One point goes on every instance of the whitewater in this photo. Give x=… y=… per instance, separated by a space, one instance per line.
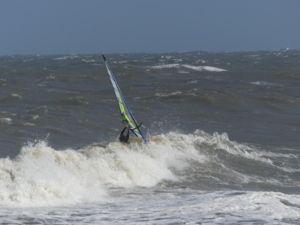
x=162 y=170
x=223 y=139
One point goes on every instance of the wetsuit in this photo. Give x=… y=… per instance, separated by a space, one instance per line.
x=124 y=136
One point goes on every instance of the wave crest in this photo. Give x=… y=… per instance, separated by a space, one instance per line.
x=41 y=175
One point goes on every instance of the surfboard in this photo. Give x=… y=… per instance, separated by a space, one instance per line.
x=127 y=116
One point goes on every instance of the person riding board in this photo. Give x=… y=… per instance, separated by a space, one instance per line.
x=124 y=135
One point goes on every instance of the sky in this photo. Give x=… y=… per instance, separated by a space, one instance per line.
x=126 y=26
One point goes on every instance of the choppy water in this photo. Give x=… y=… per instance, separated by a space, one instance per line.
x=224 y=146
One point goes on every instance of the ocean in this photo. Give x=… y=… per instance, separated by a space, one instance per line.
x=223 y=128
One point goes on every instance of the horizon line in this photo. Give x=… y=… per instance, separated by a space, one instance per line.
x=150 y=52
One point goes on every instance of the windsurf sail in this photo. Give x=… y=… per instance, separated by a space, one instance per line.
x=126 y=114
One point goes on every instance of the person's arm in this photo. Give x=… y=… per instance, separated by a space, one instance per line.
x=122 y=132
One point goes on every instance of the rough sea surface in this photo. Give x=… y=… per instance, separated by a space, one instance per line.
x=224 y=139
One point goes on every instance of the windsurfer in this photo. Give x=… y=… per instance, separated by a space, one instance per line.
x=124 y=136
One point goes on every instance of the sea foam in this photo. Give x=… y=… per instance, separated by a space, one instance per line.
x=43 y=176
x=187 y=66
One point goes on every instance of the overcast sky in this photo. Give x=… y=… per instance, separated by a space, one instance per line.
x=95 y=26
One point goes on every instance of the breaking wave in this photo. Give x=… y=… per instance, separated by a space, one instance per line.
x=43 y=176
